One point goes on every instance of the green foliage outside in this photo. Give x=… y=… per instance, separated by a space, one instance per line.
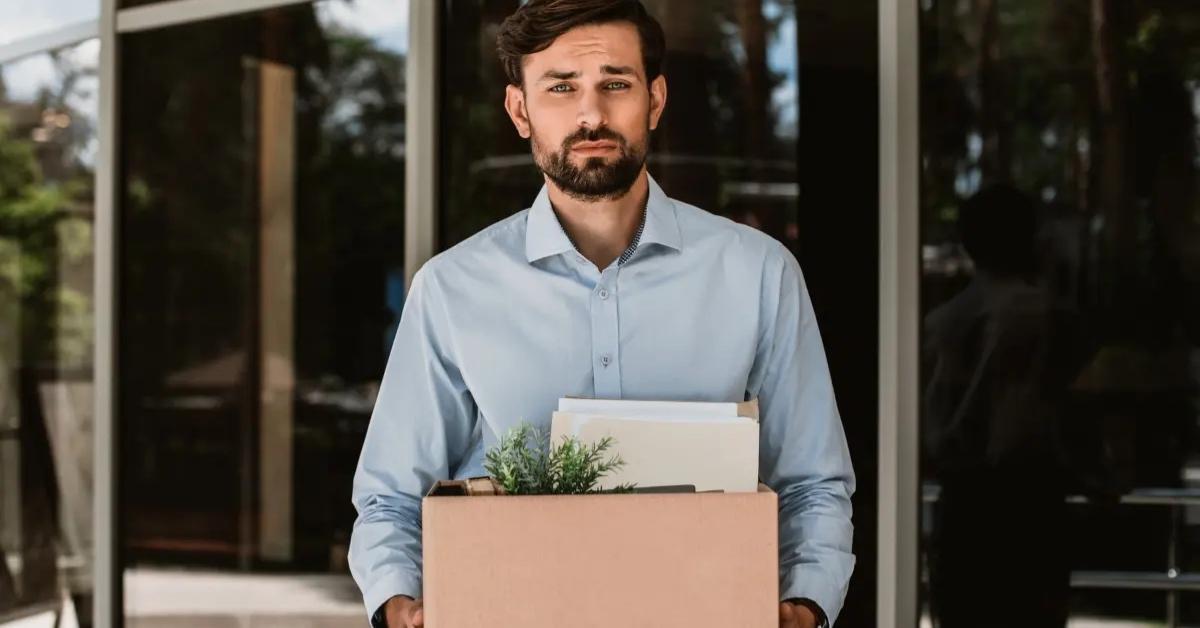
x=37 y=235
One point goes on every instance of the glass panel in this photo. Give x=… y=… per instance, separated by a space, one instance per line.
x=47 y=158
x=24 y=18
x=1061 y=295
x=261 y=221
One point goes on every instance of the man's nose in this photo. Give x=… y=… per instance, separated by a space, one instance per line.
x=591 y=110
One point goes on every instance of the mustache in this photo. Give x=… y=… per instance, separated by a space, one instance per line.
x=593 y=135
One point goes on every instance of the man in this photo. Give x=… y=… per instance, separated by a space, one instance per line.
x=605 y=287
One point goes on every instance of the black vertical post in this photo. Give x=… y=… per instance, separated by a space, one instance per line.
x=838 y=164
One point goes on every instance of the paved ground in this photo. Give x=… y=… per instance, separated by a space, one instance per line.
x=161 y=598
x=179 y=599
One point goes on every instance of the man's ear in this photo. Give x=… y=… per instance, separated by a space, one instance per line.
x=514 y=104
x=658 y=99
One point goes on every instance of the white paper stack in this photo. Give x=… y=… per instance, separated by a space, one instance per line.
x=713 y=446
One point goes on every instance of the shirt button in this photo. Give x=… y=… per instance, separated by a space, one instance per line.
x=605 y=359
x=603 y=293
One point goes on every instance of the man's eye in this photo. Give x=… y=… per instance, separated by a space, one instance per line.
x=617 y=85
x=563 y=85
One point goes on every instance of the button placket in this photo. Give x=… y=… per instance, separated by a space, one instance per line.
x=606 y=371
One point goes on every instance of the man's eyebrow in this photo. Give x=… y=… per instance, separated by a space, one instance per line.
x=559 y=75
x=618 y=69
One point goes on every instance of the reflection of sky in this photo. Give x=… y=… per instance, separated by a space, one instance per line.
x=22 y=18
x=781 y=59
x=384 y=21
x=25 y=78
x=1194 y=85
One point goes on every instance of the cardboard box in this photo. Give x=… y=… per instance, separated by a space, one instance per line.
x=652 y=560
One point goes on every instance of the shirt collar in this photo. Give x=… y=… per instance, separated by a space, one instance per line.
x=544 y=235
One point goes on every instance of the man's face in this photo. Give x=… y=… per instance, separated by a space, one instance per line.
x=588 y=110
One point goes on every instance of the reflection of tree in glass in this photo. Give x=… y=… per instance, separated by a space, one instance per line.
x=719 y=124
x=1088 y=104
x=198 y=103
x=720 y=80
x=45 y=201
x=356 y=100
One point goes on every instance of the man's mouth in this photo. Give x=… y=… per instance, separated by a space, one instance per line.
x=594 y=148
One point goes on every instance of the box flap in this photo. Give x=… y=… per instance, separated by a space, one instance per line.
x=480 y=485
x=666 y=488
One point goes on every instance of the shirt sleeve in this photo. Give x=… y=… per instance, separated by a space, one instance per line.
x=420 y=430
x=803 y=457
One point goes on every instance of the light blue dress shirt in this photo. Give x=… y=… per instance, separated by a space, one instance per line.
x=498 y=327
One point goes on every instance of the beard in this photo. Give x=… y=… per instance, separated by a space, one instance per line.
x=595 y=180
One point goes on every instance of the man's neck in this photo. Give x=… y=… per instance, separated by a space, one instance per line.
x=601 y=230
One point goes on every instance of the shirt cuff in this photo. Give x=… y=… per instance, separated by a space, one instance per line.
x=388 y=585
x=810 y=582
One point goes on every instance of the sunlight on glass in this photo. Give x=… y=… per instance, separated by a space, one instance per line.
x=24 y=18
x=384 y=21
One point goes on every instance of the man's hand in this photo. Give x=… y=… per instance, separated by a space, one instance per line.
x=796 y=616
x=404 y=612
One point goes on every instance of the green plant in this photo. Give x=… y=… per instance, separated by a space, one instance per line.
x=524 y=463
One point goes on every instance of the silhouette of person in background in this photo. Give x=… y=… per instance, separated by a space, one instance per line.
x=991 y=431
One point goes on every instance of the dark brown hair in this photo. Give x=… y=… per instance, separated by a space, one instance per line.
x=533 y=27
